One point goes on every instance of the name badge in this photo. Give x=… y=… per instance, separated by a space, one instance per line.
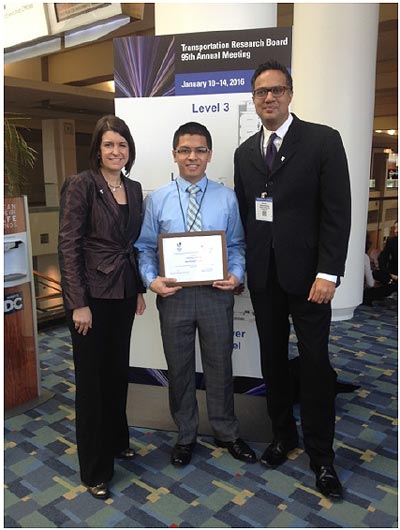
x=264 y=210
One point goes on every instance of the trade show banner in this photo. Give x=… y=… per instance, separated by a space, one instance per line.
x=163 y=82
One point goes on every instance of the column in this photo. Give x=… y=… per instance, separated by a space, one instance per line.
x=333 y=67
x=59 y=156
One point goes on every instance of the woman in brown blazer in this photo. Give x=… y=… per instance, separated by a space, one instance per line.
x=100 y=218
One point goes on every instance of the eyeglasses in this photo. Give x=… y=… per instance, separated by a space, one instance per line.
x=186 y=151
x=276 y=91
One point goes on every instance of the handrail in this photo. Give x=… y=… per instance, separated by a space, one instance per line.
x=48 y=296
x=57 y=289
x=42 y=279
x=48 y=278
x=56 y=307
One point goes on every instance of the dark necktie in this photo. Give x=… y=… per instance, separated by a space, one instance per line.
x=271 y=151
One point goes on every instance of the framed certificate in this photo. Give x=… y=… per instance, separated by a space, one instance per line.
x=193 y=258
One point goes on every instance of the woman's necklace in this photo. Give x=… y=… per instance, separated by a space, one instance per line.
x=116 y=187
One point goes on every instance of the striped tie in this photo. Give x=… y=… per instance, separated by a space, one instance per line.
x=193 y=216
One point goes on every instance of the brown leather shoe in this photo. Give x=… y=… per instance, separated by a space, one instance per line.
x=100 y=491
x=126 y=454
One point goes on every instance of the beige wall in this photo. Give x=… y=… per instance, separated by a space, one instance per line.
x=96 y=60
x=44 y=223
x=28 y=69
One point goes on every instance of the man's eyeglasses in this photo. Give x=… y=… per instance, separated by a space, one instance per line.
x=186 y=151
x=276 y=91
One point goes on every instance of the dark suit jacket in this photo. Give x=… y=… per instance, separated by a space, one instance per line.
x=96 y=253
x=311 y=206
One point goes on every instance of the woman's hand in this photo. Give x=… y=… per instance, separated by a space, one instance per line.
x=82 y=318
x=140 y=304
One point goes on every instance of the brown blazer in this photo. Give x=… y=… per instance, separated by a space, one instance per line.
x=96 y=254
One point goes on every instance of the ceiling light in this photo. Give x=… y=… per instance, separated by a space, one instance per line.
x=391 y=132
x=34 y=50
x=92 y=33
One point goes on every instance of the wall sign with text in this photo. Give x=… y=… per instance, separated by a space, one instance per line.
x=197 y=63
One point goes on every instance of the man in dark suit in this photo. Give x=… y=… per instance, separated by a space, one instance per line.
x=292 y=184
x=388 y=258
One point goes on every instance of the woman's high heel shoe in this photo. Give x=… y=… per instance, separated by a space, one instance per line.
x=100 y=491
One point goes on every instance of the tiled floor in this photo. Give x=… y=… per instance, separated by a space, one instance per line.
x=43 y=490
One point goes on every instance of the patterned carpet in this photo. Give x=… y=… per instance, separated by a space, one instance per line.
x=43 y=490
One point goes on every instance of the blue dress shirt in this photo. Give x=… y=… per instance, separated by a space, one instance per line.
x=165 y=213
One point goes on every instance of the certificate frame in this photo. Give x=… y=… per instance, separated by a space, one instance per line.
x=219 y=259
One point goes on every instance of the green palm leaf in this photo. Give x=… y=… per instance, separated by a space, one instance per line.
x=17 y=155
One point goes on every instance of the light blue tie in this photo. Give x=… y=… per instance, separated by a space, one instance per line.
x=193 y=216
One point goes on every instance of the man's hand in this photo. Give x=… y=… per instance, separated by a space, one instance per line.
x=162 y=287
x=82 y=318
x=322 y=291
x=227 y=285
x=140 y=304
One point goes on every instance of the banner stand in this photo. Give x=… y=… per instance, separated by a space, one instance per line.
x=148 y=407
x=206 y=77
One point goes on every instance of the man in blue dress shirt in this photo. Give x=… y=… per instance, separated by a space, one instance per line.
x=206 y=308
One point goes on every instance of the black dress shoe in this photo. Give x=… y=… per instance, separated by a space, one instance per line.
x=327 y=481
x=239 y=450
x=126 y=454
x=182 y=454
x=276 y=453
x=100 y=491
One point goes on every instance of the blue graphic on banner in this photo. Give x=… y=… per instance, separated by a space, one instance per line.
x=200 y=83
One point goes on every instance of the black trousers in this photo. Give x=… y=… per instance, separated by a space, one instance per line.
x=378 y=293
x=101 y=361
x=311 y=323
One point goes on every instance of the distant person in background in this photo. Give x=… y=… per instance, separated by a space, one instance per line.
x=100 y=219
x=378 y=284
x=388 y=257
